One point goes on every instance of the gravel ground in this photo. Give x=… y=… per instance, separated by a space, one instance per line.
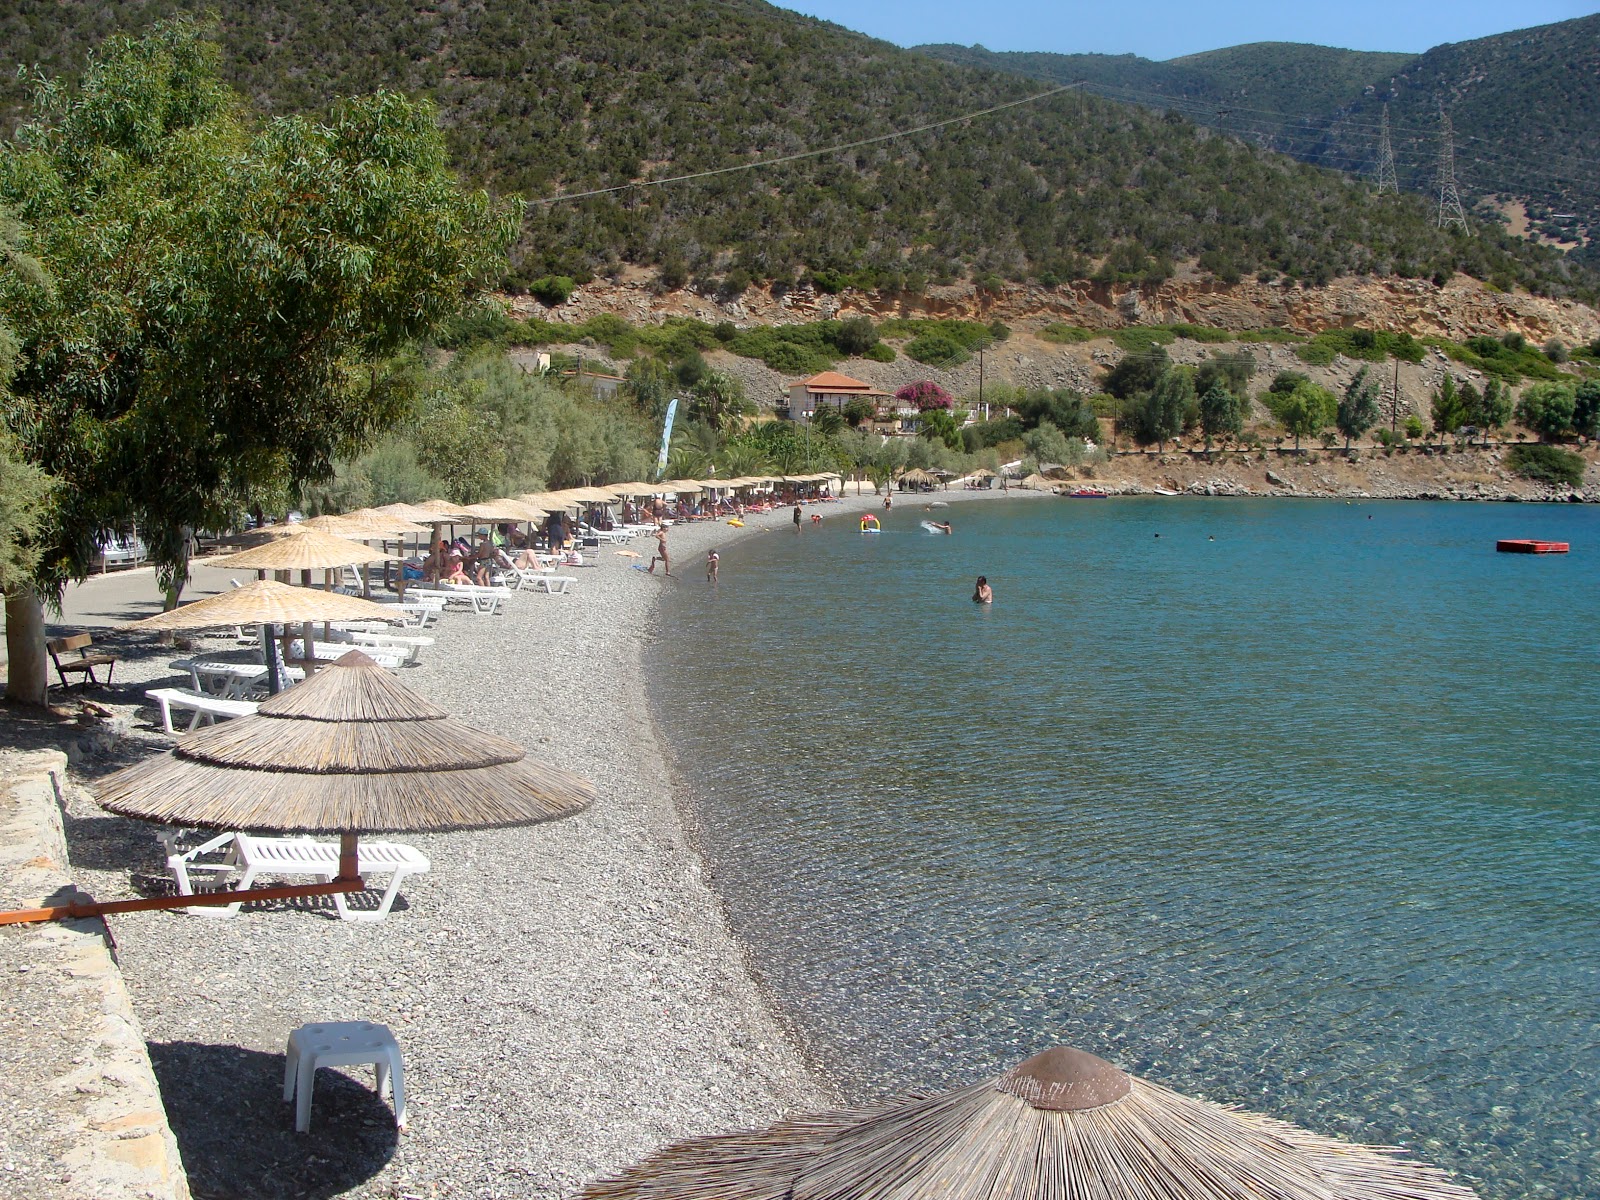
x=567 y=997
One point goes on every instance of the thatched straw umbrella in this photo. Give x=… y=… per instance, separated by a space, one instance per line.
x=266 y=602
x=309 y=551
x=1063 y=1125
x=412 y=513
x=350 y=751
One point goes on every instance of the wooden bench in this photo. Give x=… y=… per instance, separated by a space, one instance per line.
x=84 y=664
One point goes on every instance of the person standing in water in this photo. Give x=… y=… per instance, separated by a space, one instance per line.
x=983 y=593
x=712 y=560
x=797 y=518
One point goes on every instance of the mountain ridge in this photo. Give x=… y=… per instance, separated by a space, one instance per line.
x=546 y=97
x=1489 y=86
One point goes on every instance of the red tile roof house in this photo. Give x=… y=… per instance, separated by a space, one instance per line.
x=829 y=387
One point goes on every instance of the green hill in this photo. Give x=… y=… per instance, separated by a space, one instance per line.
x=1291 y=82
x=549 y=97
x=1525 y=107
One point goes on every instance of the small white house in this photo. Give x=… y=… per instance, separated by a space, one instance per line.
x=829 y=387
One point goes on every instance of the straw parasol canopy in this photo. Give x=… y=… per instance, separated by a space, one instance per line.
x=635 y=489
x=918 y=475
x=504 y=510
x=1062 y=1125
x=268 y=602
x=338 y=526
x=350 y=750
x=441 y=510
x=1036 y=482
x=982 y=473
x=308 y=551
x=378 y=523
x=685 y=487
x=415 y=514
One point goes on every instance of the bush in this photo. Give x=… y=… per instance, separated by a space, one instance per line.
x=937 y=349
x=880 y=353
x=1066 y=335
x=1413 y=426
x=855 y=335
x=551 y=290
x=1316 y=354
x=1546 y=464
x=1556 y=350
x=1141 y=339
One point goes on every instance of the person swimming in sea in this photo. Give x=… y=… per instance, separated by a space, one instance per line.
x=944 y=526
x=983 y=593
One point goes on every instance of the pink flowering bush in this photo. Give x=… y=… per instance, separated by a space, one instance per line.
x=925 y=394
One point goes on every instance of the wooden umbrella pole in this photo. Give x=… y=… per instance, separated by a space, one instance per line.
x=348 y=880
x=95 y=908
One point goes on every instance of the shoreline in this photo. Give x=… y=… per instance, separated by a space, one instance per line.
x=569 y=997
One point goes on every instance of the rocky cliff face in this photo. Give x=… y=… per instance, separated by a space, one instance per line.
x=1460 y=309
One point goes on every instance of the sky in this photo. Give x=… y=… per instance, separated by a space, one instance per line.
x=1163 y=29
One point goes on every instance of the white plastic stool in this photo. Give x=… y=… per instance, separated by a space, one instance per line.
x=339 y=1044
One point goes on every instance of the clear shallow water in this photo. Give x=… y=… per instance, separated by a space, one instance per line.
x=1303 y=818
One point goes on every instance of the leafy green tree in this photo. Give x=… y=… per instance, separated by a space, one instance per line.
x=857 y=411
x=939 y=424
x=24 y=489
x=1358 y=408
x=463 y=449
x=718 y=399
x=1067 y=410
x=222 y=293
x=827 y=420
x=651 y=384
x=1490 y=409
x=1048 y=444
x=1221 y=413
x=1161 y=411
x=855 y=335
x=1586 y=409
x=1305 y=411
x=1548 y=409
x=1137 y=373
x=1448 y=412
x=1233 y=370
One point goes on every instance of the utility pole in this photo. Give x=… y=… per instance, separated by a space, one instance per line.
x=1394 y=403
x=1387 y=182
x=1450 y=210
x=981 y=404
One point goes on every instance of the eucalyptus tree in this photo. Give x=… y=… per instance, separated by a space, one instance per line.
x=225 y=292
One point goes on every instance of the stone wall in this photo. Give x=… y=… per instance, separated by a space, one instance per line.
x=80 y=1112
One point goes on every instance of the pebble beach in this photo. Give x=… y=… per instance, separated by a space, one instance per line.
x=568 y=997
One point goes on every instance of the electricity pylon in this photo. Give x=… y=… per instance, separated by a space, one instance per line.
x=1450 y=210
x=1386 y=176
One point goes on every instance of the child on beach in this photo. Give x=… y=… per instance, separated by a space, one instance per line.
x=661 y=552
x=712 y=559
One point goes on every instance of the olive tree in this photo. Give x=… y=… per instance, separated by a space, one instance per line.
x=224 y=290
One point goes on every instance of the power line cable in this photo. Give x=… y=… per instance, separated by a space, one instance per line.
x=803 y=154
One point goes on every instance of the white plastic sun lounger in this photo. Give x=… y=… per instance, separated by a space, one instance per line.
x=554 y=585
x=293 y=856
x=202 y=708
x=409 y=647
x=485 y=601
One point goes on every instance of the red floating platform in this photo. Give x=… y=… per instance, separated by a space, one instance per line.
x=1530 y=546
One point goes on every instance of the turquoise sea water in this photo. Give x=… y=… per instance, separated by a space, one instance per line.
x=1304 y=817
